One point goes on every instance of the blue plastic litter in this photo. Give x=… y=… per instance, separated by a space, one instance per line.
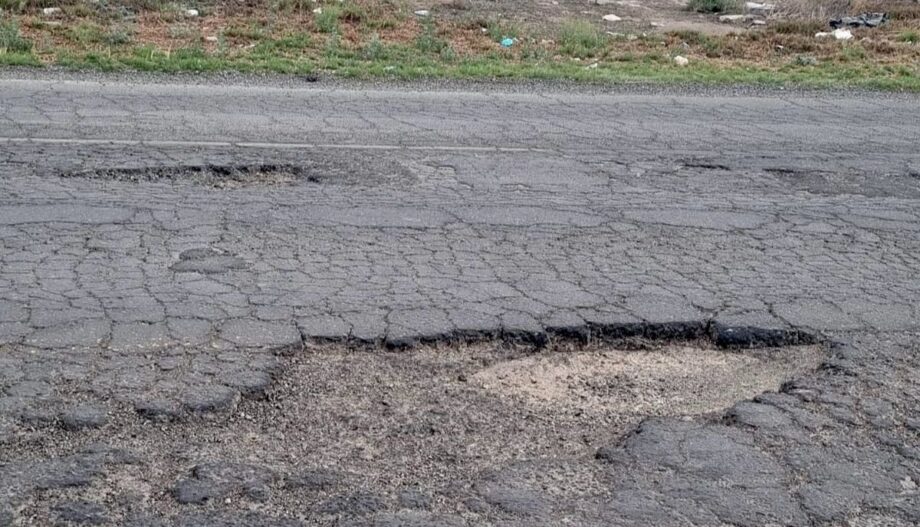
x=507 y=42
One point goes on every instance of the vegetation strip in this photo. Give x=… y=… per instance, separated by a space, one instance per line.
x=364 y=39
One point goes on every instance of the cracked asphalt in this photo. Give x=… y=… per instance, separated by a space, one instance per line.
x=148 y=315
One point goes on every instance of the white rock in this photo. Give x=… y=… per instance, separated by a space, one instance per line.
x=655 y=24
x=423 y=12
x=842 y=34
x=591 y=66
x=612 y=18
x=908 y=484
x=211 y=38
x=727 y=19
x=191 y=13
x=758 y=8
x=759 y=22
x=318 y=11
x=51 y=11
x=822 y=34
x=681 y=61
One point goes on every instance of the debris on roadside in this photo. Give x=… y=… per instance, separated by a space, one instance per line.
x=863 y=20
x=612 y=18
x=730 y=19
x=51 y=11
x=757 y=8
x=191 y=13
x=423 y=13
x=507 y=42
x=681 y=60
x=839 y=34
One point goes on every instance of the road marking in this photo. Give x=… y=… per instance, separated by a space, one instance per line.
x=290 y=146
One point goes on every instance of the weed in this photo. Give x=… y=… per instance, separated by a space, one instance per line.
x=499 y=30
x=86 y=33
x=251 y=32
x=912 y=37
x=16 y=6
x=581 y=39
x=428 y=41
x=117 y=36
x=11 y=41
x=327 y=20
x=373 y=50
x=714 y=6
x=853 y=53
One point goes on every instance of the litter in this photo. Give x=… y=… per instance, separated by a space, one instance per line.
x=507 y=42
x=863 y=20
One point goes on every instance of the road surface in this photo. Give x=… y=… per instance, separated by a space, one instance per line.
x=146 y=304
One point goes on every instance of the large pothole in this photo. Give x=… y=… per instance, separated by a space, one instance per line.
x=346 y=429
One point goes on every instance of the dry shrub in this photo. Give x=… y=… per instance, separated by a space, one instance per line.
x=817 y=10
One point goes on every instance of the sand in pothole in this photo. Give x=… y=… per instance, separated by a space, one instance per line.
x=675 y=380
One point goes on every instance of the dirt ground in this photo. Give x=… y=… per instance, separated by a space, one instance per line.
x=637 y=16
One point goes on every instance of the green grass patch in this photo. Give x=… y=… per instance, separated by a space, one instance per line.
x=429 y=42
x=11 y=41
x=581 y=39
x=912 y=37
x=327 y=21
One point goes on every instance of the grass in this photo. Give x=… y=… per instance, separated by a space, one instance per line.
x=581 y=39
x=11 y=41
x=911 y=37
x=327 y=21
x=382 y=38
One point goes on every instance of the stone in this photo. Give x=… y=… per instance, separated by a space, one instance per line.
x=215 y=480
x=81 y=513
x=681 y=61
x=157 y=409
x=83 y=416
x=250 y=383
x=611 y=18
x=423 y=13
x=842 y=34
x=51 y=11
x=191 y=13
x=731 y=19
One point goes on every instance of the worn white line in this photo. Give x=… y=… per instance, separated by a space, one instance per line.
x=292 y=146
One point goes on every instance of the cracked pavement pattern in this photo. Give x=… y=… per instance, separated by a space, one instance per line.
x=133 y=309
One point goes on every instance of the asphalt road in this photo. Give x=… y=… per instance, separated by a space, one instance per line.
x=144 y=305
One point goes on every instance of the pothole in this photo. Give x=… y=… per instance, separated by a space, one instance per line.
x=317 y=169
x=435 y=418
